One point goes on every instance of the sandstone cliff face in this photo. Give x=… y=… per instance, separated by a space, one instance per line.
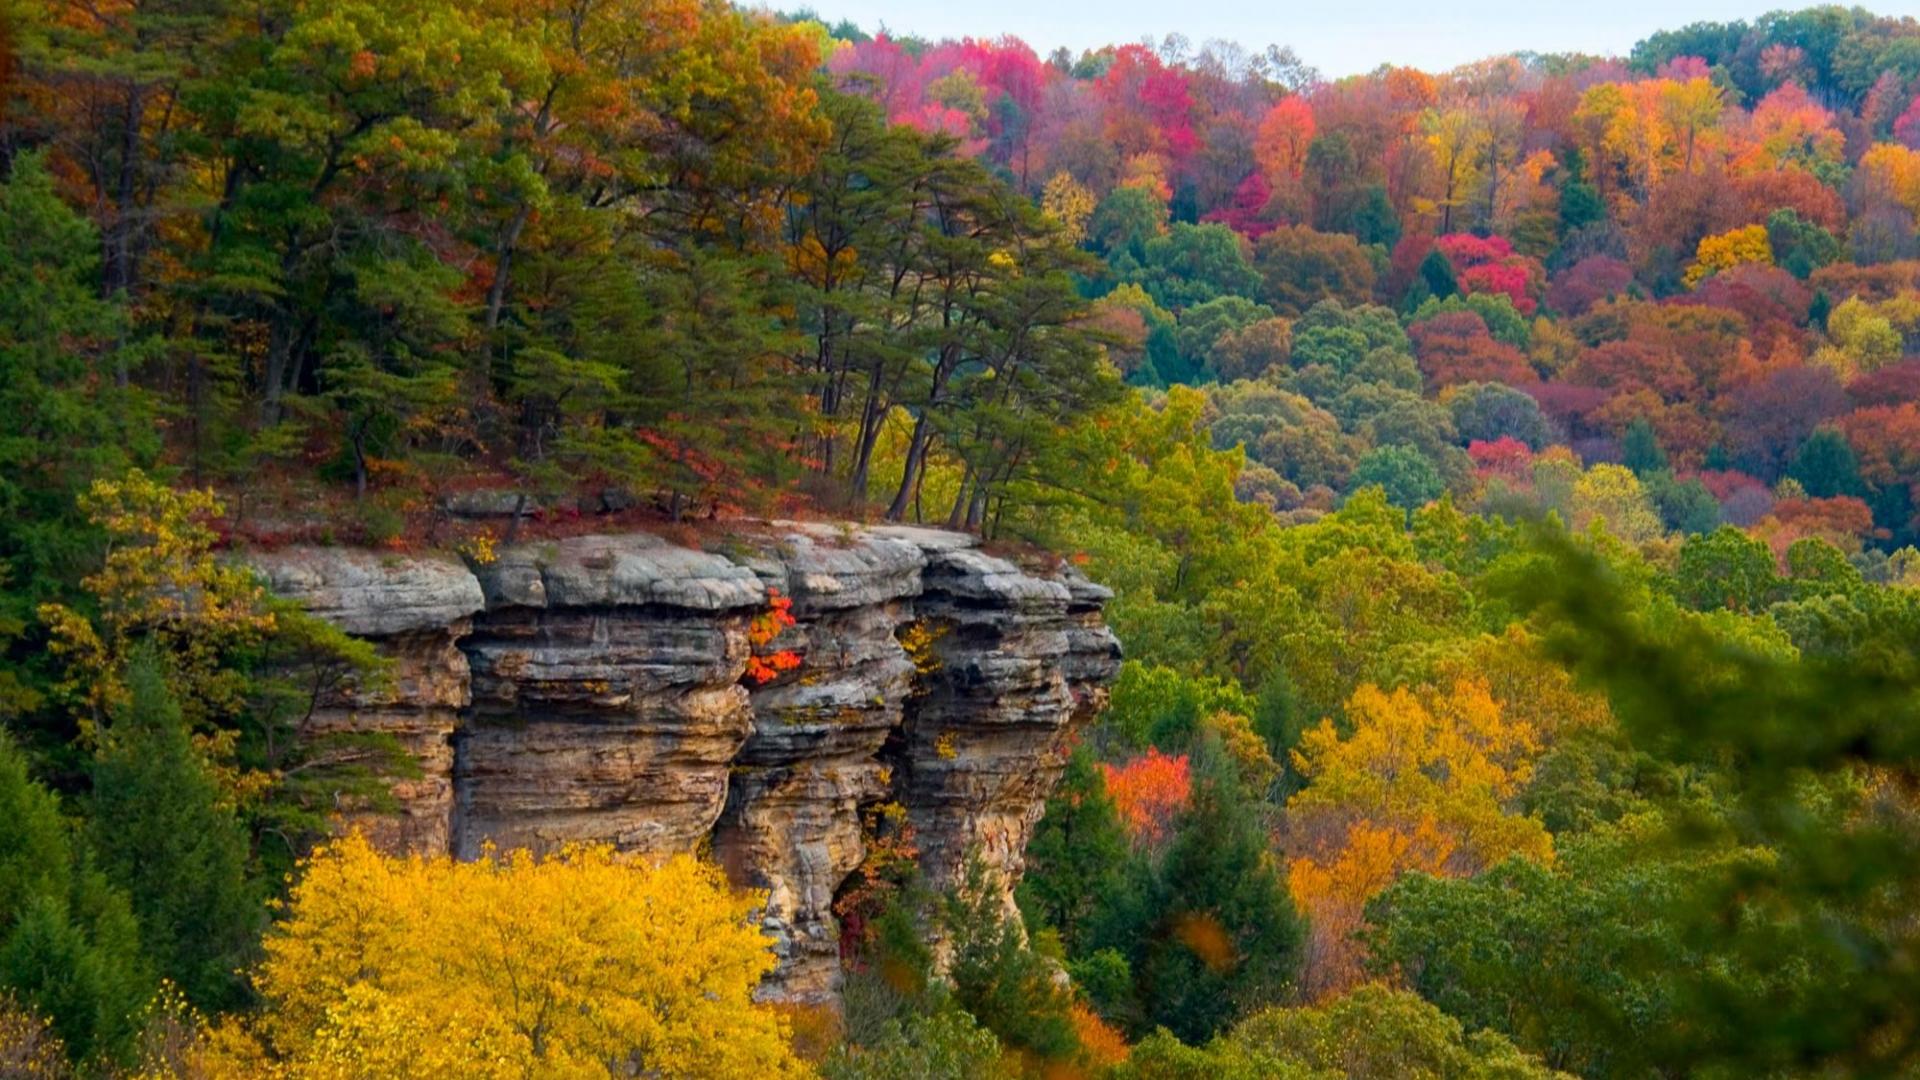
x=594 y=688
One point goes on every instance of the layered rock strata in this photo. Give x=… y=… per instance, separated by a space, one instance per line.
x=597 y=688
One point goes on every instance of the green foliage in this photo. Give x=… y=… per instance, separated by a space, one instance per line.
x=1157 y=706
x=1076 y=857
x=945 y=1045
x=1640 y=449
x=1490 y=411
x=1192 y=264
x=69 y=944
x=997 y=979
x=1210 y=934
x=71 y=415
x=1825 y=466
x=1371 y=1032
x=1406 y=476
x=166 y=834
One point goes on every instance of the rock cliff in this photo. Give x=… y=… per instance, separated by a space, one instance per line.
x=596 y=688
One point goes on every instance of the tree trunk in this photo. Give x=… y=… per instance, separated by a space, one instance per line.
x=910 y=477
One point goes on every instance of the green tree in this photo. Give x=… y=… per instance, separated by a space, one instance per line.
x=1215 y=935
x=1640 y=449
x=996 y=978
x=1825 y=466
x=165 y=834
x=71 y=417
x=1076 y=857
x=69 y=944
x=1403 y=472
x=1192 y=264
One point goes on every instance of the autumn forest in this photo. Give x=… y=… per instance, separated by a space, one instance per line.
x=1507 y=480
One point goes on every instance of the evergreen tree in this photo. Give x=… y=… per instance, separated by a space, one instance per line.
x=1216 y=936
x=1640 y=449
x=70 y=417
x=1005 y=985
x=1436 y=273
x=1826 y=466
x=69 y=945
x=163 y=833
x=1076 y=856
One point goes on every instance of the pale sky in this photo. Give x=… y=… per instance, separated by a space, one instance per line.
x=1340 y=37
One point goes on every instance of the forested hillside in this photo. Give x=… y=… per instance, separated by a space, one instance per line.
x=1508 y=477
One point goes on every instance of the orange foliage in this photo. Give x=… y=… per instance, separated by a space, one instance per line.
x=1423 y=781
x=763 y=668
x=1149 y=791
x=1333 y=890
x=1102 y=1044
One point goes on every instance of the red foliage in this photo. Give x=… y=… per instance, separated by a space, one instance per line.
x=1886 y=439
x=763 y=668
x=1774 y=302
x=1487 y=264
x=1793 y=189
x=1505 y=457
x=1455 y=347
x=1593 y=279
x=1906 y=130
x=1149 y=792
x=1894 y=384
x=1247 y=213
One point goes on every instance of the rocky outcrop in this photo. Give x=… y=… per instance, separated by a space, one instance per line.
x=597 y=688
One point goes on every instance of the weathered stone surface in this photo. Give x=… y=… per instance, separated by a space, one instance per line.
x=792 y=823
x=594 y=688
x=369 y=593
x=1016 y=662
x=628 y=570
x=607 y=703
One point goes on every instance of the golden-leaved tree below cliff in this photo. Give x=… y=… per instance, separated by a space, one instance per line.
x=583 y=964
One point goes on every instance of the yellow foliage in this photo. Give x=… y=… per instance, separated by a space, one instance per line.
x=1246 y=747
x=1890 y=172
x=1422 y=782
x=1333 y=889
x=1068 y=202
x=160 y=584
x=1729 y=249
x=583 y=964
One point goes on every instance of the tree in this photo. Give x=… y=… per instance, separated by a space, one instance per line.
x=1214 y=935
x=1488 y=412
x=1738 y=247
x=1300 y=267
x=1403 y=472
x=1825 y=465
x=1149 y=794
x=996 y=978
x=1424 y=781
x=69 y=945
x=1640 y=449
x=1727 y=569
x=583 y=962
x=1371 y=1032
x=1192 y=264
x=1076 y=856
x=165 y=832
x=72 y=417
x=1613 y=495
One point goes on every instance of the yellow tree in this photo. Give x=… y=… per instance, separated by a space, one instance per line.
x=1424 y=781
x=1735 y=247
x=1457 y=140
x=1690 y=109
x=160 y=585
x=1890 y=173
x=1068 y=202
x=582 y=964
